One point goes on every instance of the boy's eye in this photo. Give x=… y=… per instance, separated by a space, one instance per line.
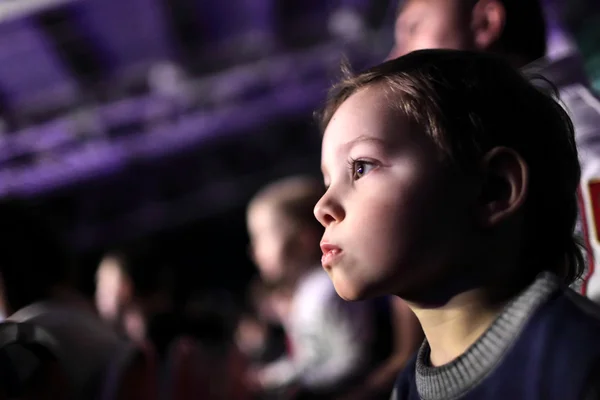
x=361 y=168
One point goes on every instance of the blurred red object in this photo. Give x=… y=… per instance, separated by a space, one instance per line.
x=139 y=379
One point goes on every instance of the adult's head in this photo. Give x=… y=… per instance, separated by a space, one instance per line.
x=515 y=29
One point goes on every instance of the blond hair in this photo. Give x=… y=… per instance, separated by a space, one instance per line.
x=294 y=197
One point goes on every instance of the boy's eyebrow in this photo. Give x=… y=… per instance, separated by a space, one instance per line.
x=364 y=138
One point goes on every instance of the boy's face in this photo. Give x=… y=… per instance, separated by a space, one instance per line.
x=431 y=24
x=395 y=213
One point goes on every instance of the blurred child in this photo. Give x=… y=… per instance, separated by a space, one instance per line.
x=438 y=192
x=331 y=340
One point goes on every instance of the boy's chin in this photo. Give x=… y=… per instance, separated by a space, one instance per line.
x=351 y=291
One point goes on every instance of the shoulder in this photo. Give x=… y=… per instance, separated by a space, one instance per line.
x=583 y=307
x=569 y=325
x=568 y=316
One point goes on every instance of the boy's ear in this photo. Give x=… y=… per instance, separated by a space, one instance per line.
x=505 y=185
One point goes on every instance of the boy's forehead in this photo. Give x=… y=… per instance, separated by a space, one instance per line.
x=404 y=5
x=430 y=5
x=356 y=104
x=365 y=113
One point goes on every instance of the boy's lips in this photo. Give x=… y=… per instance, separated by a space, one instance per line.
x=331 y=253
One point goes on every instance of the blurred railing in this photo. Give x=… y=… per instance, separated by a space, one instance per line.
x=99 y=140
x=139 y=161
x=10 y=9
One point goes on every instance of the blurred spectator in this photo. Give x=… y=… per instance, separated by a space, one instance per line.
x=259 y=341
x=513 y=28
x=134 y=292
x=113 y=289
x=332 y=341
x=195 y=346
x=568 y=70
x=517 y=30
x=581 y=19
x=37 y=287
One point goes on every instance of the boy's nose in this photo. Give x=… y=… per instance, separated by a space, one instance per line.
x=327 y=211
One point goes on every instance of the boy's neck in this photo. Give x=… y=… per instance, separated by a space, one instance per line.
x=451 y=329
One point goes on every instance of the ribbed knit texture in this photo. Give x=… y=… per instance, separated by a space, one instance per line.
x=453 y=380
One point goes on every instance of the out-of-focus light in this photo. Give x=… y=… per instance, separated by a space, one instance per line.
x=11 y=9
x=166 y=78
x=347 y=24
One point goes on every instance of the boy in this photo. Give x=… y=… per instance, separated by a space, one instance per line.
x=331 y=341
x=438 y=193
x=516 y=31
